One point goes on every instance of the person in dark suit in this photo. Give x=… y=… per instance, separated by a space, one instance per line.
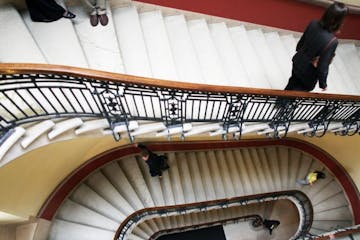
x=47 y=11
x=157 y=164
x=315 y=50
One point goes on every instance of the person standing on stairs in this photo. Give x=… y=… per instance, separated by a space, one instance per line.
x=315 y=50
x=97 y=9
x=311 y=178
x=47 y=11
x=270 y=224
x=157 y=164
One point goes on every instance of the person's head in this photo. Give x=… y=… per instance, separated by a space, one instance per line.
x=333 y=17
x=144 y=154
x=320 y=175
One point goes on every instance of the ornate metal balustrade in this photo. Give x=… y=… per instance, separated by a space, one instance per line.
x=301 y=201
x=37 y=92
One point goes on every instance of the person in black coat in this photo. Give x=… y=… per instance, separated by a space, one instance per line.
x=315 y=50
x=157 y=164
x=47 y=11
x=270 y=224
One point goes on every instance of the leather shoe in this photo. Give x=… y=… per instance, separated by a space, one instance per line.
x=69 y=15
x=94 y=20
x=104 y=20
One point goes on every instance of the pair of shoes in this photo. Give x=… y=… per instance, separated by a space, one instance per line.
x=103 y=18
x=69 y=15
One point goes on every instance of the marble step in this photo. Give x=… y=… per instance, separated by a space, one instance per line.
x=347 y=52
x=58 y=41
x=16 y=39
x=229 y=58
x=77 y=213
x=157 y=45
x=268 y=62
x=183 y=52
x=207 y=54
x=75 y=231
x=100 y=44
x=250 y=60
x=280 y=53
x=131 y=41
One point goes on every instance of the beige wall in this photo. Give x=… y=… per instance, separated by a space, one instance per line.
x=26 y=182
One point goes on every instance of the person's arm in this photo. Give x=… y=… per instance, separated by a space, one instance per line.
x=324 y=62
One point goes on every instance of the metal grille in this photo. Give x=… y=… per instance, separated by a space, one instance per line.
x=27 y=98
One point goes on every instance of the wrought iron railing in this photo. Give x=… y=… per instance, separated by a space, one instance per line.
x=301 y=201
x=36 y=92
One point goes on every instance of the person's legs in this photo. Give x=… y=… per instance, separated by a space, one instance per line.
x=101 y=11
x=302 y=181
x=90 y=6
x=101 y=6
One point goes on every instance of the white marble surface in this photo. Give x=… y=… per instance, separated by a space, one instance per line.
x=16 y=42
x=58 y=41
x=186 y=61
x=280 y=53
x=348 y=54
x=266 y=57
x=248 y=57
x=131 y=41
x=99 y=43
x=157 y=45
x=230 y=60
x=208 y=56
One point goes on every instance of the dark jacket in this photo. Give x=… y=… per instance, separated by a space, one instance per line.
x=313 y=43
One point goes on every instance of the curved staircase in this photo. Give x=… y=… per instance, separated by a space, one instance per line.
x=96 y=208
x=144 y=41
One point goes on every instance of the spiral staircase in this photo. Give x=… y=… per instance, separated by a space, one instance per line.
x=112 y=193
x=148 y=42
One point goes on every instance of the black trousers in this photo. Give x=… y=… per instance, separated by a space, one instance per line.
x=296 y=84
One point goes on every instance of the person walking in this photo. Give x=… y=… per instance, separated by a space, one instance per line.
x=270 y=224
x=157 y=164
x=47 y=11
x=315 y=50
x=311 y=178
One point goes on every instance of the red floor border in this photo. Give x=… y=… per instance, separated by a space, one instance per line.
x=50 y=207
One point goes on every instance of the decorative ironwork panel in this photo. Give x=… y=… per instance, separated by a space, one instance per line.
x=27 y=98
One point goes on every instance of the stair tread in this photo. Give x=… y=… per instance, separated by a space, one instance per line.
x=76 y=231
x=206 y=52
x=15 y=36
x=268 y=62
x=249 y=60
x=186 y=61
x=157 y=45
x=74 y=212
x=229 y=58
x=58 y=41
x=131 y=41
x=99 y=44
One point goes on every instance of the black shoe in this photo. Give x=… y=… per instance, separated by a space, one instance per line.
x=69 y=15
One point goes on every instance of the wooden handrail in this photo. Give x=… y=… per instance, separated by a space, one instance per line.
x=27 y=68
